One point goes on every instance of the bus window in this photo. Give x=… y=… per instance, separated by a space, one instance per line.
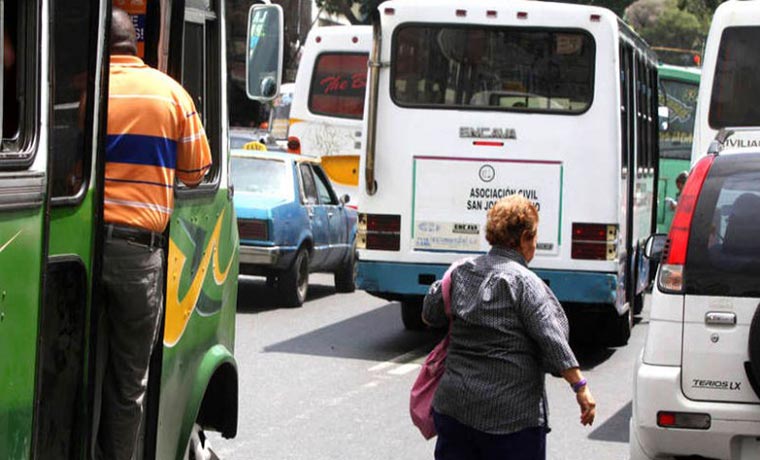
x=506 y=68
x=736 y=86
x=201 y=78
x=71 y=57
x=18 y=83
x=338 y=83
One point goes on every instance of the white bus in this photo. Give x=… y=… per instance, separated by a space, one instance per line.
x=470 y=102
x=729 y=92
x=328 y=102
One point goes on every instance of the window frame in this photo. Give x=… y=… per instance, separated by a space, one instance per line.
x=20 y=154
x=212 y=90
x=393 y=60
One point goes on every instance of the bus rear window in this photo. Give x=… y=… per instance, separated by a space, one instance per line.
x=735 y=97
x=724 y=248
x=681 y=99
x=509 y=68
x=338 y=84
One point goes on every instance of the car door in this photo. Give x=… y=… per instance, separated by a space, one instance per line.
x=336 y=218
x=317 y=213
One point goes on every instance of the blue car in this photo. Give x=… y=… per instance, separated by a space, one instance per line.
x=291 y=223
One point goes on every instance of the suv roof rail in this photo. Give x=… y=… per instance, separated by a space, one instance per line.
x=720 y=139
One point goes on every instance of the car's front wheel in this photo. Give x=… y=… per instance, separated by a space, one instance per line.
x=294 y=282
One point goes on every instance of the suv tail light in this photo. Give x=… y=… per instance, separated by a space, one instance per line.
x=381 y=232
x=674 y=252
x=253 y=229
x=594 y=241
x=294 y=145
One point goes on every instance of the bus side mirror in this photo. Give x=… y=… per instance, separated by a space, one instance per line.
x=654 y=246
x=664 y=117
x=263 y=64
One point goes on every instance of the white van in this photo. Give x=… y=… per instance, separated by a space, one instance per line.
x=729 y=92
x=328 y=102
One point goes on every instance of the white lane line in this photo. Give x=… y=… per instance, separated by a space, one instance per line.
x=400 y=359
x=404 y=369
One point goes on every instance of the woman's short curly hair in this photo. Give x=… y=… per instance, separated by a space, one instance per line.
x=508 y=219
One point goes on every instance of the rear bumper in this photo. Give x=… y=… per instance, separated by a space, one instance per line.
x=732 y=434
x=394 y=279
x=257 y=255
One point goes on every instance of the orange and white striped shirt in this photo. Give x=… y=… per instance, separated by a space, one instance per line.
x=154 y=132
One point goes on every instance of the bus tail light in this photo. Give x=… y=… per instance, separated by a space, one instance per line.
x=674 y=252
x=381 y=232
x=253 y=229
x=294 y=145
x=594 y=241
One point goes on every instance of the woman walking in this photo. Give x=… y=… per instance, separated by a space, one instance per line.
x=508 y=330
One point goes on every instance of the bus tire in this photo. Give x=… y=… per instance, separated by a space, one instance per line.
x=345 y=276
x=198 y=447
x=411 y=314
x=294 y=282
x=619 y=328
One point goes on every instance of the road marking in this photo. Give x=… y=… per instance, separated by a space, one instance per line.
x=400 y=359
x=404 y=369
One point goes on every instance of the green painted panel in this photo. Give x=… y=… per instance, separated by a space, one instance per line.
x=20 y=269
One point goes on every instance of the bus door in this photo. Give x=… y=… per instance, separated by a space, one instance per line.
x=627 y=164
x=53 y=102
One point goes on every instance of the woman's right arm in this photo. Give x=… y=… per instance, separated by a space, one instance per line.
x=433 y=312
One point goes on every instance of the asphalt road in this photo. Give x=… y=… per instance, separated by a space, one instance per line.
x=330 y=380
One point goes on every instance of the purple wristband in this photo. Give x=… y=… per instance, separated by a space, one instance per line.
x=578 y=385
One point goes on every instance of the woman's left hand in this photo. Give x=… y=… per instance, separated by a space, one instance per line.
x=587 y=405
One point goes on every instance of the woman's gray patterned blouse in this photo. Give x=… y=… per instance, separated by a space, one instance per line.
x=508 y=330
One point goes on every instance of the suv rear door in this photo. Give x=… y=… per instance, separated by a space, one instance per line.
x=722 y=282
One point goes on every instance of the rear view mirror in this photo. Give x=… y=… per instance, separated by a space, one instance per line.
x=654 y=246
x=263 y=65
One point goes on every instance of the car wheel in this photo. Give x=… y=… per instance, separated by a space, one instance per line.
x=619 y=328
x=198 y=447
x=345 y=277
x=294 y=282
x=411 y=314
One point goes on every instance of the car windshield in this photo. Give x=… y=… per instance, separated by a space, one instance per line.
x=724 y=248
x=260 y=176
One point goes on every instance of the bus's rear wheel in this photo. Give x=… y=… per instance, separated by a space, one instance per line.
x=411 y=313
x=619 y=328
x=198 y=447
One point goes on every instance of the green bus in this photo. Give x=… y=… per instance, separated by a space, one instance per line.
x=678 y=92
x=52 y=163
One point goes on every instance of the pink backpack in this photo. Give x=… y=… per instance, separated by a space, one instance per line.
x=423 y=390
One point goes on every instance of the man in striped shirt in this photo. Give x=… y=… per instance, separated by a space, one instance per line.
x=154 y=133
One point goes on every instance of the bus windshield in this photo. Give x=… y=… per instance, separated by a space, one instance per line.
x=505 y=68
x=681 y=99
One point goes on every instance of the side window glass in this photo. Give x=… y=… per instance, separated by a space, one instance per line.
x=193 y=65
x=72 y=103
x=307 y=181
x=18 y=83
x=325 y=197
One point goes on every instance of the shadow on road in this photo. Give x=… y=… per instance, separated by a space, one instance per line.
x=377 y=335
x=615 y=428
x=255 y=296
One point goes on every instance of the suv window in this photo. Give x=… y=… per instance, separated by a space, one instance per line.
x=724 y=247
x=337 y=87
x=737 y=79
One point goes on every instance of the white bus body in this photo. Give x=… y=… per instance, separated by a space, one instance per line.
x=328 y=102
x=440 y=153
x=729 y=91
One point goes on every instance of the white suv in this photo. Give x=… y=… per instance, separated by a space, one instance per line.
x=696 y=382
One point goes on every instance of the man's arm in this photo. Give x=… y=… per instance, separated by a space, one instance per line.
x=193 y=151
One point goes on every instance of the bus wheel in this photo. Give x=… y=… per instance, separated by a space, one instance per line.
x=638 y=303
x=411 y=313
x=345 y=277
x=619 y=328
x=294 y=282
x=198 y=447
